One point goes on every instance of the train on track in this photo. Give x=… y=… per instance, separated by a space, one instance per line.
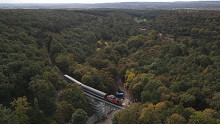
x=95 y=92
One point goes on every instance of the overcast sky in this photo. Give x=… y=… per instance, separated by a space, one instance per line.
x=89 y=1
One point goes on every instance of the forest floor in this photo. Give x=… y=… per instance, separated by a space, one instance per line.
x=128 y=99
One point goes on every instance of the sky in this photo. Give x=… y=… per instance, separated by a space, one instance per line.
x=89 y=1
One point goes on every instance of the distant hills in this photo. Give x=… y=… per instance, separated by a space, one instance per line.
x=123 y=5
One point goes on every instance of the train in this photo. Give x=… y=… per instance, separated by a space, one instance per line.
x=95 y=92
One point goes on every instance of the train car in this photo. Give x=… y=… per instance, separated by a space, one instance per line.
x=95 y=92
x=119 y=95
x=86 y=88
x=114 y=99
x=72 y=80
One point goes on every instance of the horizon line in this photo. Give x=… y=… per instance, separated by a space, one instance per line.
x=118 y=2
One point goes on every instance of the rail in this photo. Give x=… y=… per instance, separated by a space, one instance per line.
x=105 y=101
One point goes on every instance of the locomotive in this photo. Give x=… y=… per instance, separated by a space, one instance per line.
x=95 y=92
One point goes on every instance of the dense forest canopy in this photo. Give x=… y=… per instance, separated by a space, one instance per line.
x=169 y=60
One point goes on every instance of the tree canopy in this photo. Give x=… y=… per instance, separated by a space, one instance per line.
x=169 y=60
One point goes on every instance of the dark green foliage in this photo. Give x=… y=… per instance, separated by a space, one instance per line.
x=151 y=92
x=79 y=117
x=176 y=51
x=6 y=116
x=37 y=116
x=121 y=49
x=44 y=91
x=135 y=42
x=174 y=64
x=21 y=108
x=74 y=95
x=187 y=100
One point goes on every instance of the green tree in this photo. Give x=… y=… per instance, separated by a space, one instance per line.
x=65 y=61
x=176 y=51
x=64 y=112
x=204 y=61
x=175 y=119
x=54 y=77
x=152 y=92
x=137 y=89
x=187 y=112
x=187 y=100
x=6 y=116
x=37 y=116
x=45 y=92
x=74 y=95
x=215 y=102
x=79 y=117
x=93 y=79
x=135 y=41
x=21 y=107
x=56 y=46
x=122 y=49
x=129 y=115
x=205 y=117
x=149 y=115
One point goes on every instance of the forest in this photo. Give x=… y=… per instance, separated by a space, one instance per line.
x=169 y=60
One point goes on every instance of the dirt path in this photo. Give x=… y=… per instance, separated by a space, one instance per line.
x=52 y=59
x=128 y=99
